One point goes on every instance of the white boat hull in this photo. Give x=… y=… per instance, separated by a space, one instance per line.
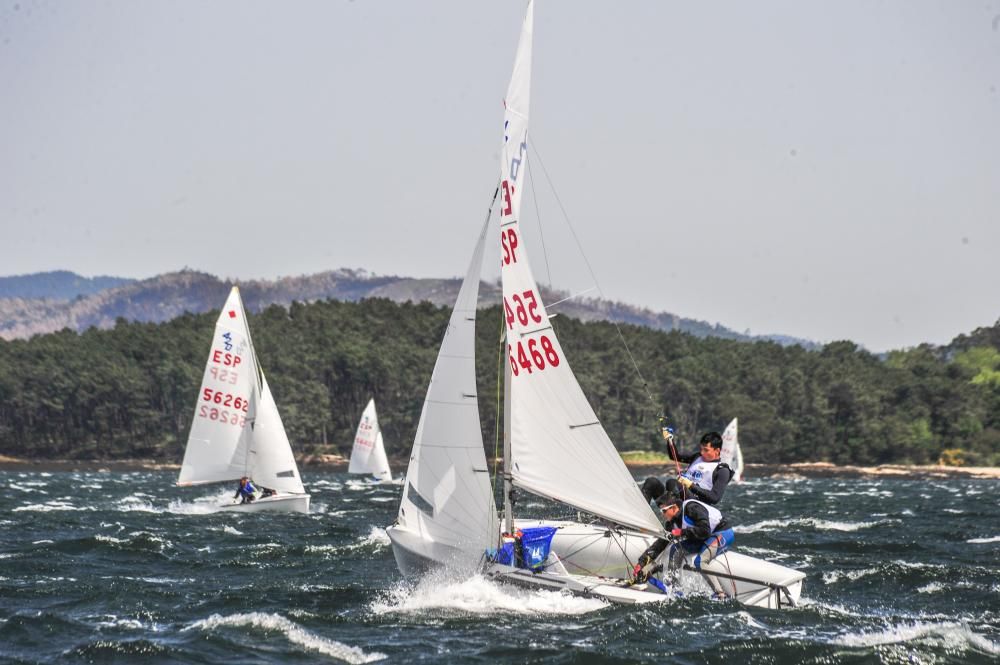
x=594 y=561
x=416 y=555
x=594 y=550
x=285 y=503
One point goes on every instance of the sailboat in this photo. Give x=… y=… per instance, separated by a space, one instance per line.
x=368 y=455
x=236 y=430
x=731 y=453
x=554 y=444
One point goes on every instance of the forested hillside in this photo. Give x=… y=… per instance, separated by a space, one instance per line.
x=131 y=391
x=166 y=296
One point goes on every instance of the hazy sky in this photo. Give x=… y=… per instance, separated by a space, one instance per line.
x=829 y=170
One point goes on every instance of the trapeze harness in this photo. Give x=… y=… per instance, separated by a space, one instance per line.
x=716 y=543
x=700 y=473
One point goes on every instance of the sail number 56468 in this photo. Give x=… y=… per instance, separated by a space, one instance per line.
x=536 y=354
x=525 y=309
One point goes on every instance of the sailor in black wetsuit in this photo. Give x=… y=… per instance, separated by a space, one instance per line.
x=706 y=477
x=696 y=528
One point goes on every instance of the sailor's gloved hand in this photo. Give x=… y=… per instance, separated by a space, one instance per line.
x=642 y=569
x=676 y=533
x=685 y=482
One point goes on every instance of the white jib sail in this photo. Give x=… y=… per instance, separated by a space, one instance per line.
x=731 y=453
x=221 y=413
x=559 y=448
x=447 y=497
x=368 y=453
x=270 y=462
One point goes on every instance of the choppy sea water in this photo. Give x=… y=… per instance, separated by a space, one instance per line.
x=124 y=567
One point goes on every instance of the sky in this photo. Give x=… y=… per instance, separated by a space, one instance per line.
x=817 y=169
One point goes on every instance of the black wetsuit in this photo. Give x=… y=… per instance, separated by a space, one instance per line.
x=701 y=529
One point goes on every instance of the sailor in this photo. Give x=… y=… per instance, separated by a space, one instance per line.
x=704 y=479
x=246 y=492
x=695 y=528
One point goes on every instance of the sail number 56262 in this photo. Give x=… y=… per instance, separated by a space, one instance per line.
x=225 y=399
x=536 y=354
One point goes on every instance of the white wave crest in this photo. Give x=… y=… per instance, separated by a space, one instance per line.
x=931 y=588
x=50 y=506
x=295 y=634
x=994 y=539
x=833 y=576
x=136 y=504
x=821 y=525
x=109 y=539
x=479 y=596
x=953 y=636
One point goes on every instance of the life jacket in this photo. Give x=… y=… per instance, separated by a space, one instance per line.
x=700 y=472
x=714 y=516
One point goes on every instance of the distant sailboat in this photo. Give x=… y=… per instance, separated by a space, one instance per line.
x=368 y=455
x=554 y=444
x=237 y=430
x=731 y=453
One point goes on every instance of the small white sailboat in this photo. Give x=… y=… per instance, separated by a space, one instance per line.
x=236 y=430
x=731 y=453
x=368 y=454
x=554 y=445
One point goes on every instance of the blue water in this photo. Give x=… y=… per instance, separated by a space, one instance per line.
x=124 y=567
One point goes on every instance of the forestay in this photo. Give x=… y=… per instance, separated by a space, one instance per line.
x=558 y=447
x=223 y=401
x=368 y=454
x=447 y=497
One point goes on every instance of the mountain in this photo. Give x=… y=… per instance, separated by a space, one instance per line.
x=167 y=296
x=57 y=285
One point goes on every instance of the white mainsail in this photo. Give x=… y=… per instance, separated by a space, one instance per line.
x=558 y=447
x=368 y=454
x=731 y=453
x=237 y=430
x=447 y=497
x=224 y=401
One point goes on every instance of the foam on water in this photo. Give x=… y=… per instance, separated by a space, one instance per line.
x=955 y=636
x=292 y=631
x=438 y=592
x=200 y=506
x=994 y=539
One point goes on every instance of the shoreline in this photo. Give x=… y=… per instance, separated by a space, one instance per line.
x=751 y=471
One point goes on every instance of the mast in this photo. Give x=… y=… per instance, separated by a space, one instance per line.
x=508 y=487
